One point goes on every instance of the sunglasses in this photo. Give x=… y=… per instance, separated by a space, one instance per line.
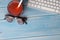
x=20 y=20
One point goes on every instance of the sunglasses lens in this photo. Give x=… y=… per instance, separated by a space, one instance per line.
x=9 y=19
x=20 y=21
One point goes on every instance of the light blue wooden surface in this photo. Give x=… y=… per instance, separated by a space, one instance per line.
x=42 y=28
